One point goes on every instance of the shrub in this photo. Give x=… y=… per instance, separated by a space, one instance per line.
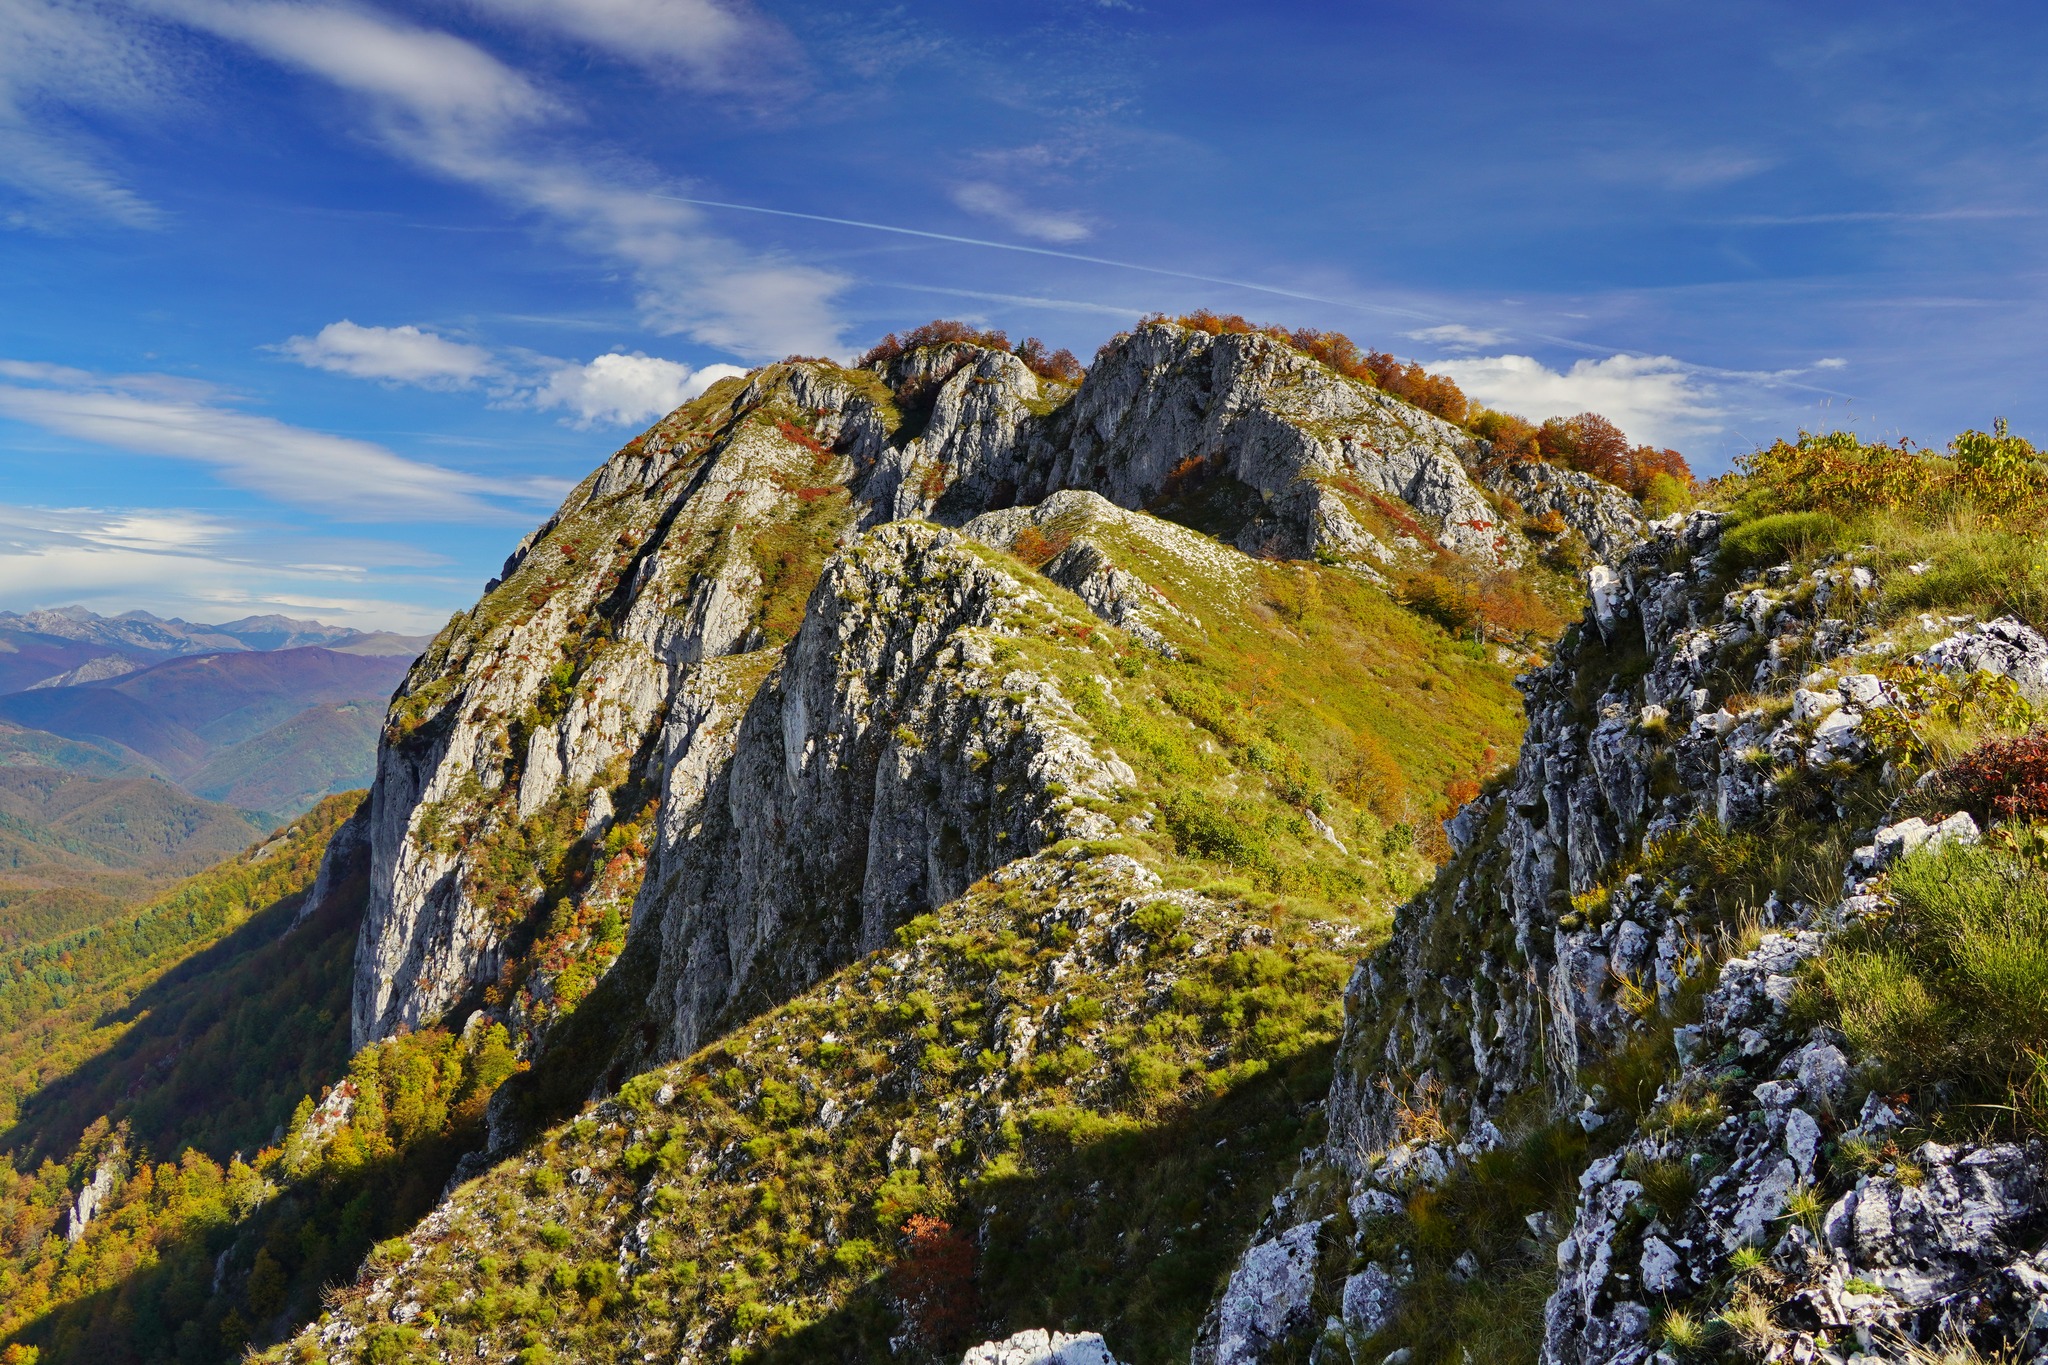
x=933 y=1285
x=1593 y=445
x=1060 y=365
x=857 y=1256
x=2005 y=779
x=1036 y=547
x=1997 y=477
x=938 y=332
x=387 y=1345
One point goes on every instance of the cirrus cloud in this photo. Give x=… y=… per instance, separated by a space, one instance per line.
x=171 y=418
x=453 y=109
x=993 y=201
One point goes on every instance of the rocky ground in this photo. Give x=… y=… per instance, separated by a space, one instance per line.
x=1588 y=1027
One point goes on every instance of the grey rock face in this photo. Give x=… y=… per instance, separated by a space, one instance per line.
x=885 y=765
x=1369 y=1300
x=1170 y=403
x=97 y=1191
x=1609 y=519
x=2006 y=647
x=1266 y=1302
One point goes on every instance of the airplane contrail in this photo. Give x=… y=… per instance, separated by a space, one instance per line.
x=1390 y=309
x=1061 y=255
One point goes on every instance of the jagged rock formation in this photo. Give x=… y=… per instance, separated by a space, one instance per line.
x=886 y=764
x=883 y=808
x=1681 y=709
x=631 y=654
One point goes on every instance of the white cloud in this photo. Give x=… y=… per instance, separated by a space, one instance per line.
x=716 y=46
x=1655 y=399
x=444 y=85
x=1831 y=362
x=203 y=567
x=993 y=201
x=176 y=419
x=57 y=57
x=626 y=390
x=615 y=389
x=459 y=112
x=1457 y=337
x=405 y=355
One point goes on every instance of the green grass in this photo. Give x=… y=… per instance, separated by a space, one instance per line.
x=1113 y=1172
x=1947 y=990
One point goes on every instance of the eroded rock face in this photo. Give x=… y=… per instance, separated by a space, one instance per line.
x=550 y=690
x=886 y=763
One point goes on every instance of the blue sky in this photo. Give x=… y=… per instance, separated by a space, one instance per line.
x=317 y=307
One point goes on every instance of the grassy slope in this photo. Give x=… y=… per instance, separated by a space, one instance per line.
x=114 y=993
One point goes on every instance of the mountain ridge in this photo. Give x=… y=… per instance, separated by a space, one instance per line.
x=878 y=867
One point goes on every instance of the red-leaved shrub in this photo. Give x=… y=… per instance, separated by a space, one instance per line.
x=2005 y=779
x=933 y=1284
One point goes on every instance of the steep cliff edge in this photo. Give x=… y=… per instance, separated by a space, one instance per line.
x=1629 y=1081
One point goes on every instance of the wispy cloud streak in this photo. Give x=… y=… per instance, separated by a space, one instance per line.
x=343 y=477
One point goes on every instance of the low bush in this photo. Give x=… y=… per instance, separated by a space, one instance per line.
x=1998 y=478
x=2003 y=779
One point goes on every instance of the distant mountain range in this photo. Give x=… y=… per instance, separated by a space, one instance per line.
x=66 y=645
x=134 y=749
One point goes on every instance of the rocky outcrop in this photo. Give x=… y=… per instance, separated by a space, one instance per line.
x=887 y=762
x=98 y=1189
x=1937 y=1245
x=1081 y=535
x=1677 y=705
x=1170 y=409
x=550 y=692
x=1610 y=520
x=1267 y=1301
